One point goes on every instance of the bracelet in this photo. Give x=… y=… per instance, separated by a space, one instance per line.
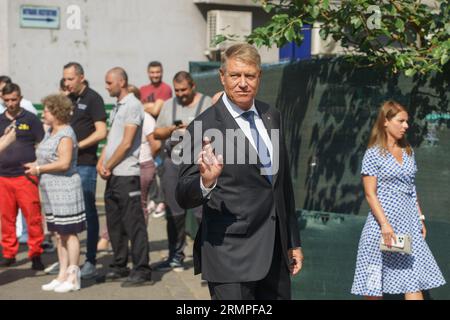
x=383 y=224
x=38 y=170
x=422 y=218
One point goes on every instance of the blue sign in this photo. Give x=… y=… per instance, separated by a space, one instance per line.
x=39 y=17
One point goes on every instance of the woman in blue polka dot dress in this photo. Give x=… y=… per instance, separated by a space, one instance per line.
x=388 y=172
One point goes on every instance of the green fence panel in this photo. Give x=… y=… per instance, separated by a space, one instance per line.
x=328 y=109
x=330 y=244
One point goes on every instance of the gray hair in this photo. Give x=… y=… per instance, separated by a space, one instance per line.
x=243 y=52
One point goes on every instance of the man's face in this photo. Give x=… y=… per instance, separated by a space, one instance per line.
x=241 y=82
x=113 y=84
x=184 y=92
x=155 y=75
x=74 y=82
x=12 y=102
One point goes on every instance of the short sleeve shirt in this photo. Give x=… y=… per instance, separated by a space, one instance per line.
x=151 y=93
x=391 y=176
x=129 y=111
x=185 y=114
x=88 y=109
x=29 y=132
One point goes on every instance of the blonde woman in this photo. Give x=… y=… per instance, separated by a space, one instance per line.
x=388 y=173
x=60 y=185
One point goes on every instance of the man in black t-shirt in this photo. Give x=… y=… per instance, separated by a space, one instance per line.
x=17 y=189
x=89 y=124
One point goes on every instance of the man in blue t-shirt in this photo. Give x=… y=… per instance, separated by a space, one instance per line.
x=21 y=226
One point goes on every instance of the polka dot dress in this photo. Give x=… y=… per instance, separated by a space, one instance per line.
x=386 y=272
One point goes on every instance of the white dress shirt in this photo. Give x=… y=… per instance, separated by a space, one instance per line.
x=244 y=125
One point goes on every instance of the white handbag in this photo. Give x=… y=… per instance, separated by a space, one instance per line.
x=401 y=245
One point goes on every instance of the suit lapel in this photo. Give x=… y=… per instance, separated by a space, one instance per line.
x=223 y=116
x=227 y=121
x=265 y=116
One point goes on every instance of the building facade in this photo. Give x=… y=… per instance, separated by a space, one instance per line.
x=104 y=34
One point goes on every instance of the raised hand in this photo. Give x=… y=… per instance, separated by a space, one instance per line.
x=209 y=164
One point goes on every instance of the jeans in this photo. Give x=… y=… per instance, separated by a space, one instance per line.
x=88 y=176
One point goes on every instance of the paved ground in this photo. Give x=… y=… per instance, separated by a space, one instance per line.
x=20 y=282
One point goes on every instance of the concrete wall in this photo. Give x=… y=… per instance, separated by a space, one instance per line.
x=249 y=3
x=113 y=33
x=4 y=48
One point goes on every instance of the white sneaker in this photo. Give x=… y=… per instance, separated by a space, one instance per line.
x=68 y=286
x=160 y=211
x=51 y=286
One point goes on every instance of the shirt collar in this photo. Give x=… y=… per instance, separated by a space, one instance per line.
x=21 y=114
x=80 y=96
x=84 y=92
x=235 y=111
x=125 y=99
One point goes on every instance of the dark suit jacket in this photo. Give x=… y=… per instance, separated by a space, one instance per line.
x=235 y=241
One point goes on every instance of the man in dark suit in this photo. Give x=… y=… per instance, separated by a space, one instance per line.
x=248 y=243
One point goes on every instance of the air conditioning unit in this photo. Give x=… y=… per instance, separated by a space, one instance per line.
x=233 y=24
x=320 y=47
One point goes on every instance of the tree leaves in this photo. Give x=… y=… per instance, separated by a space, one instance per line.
x=400 y=25
x=402 y=35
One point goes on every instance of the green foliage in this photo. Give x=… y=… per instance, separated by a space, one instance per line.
x=402 y=35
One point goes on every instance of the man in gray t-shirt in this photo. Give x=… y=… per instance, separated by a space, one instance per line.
x=119 y=165
x=176 y=114
x=128 y=112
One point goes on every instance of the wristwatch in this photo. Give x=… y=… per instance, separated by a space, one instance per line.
x=422 y=217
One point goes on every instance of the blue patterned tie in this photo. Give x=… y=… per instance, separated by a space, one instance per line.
x=261 y=148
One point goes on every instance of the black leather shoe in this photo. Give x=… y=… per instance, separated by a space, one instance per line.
x=36 y=264
x=115 y=274
x=7 y=262
x=138 y=279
